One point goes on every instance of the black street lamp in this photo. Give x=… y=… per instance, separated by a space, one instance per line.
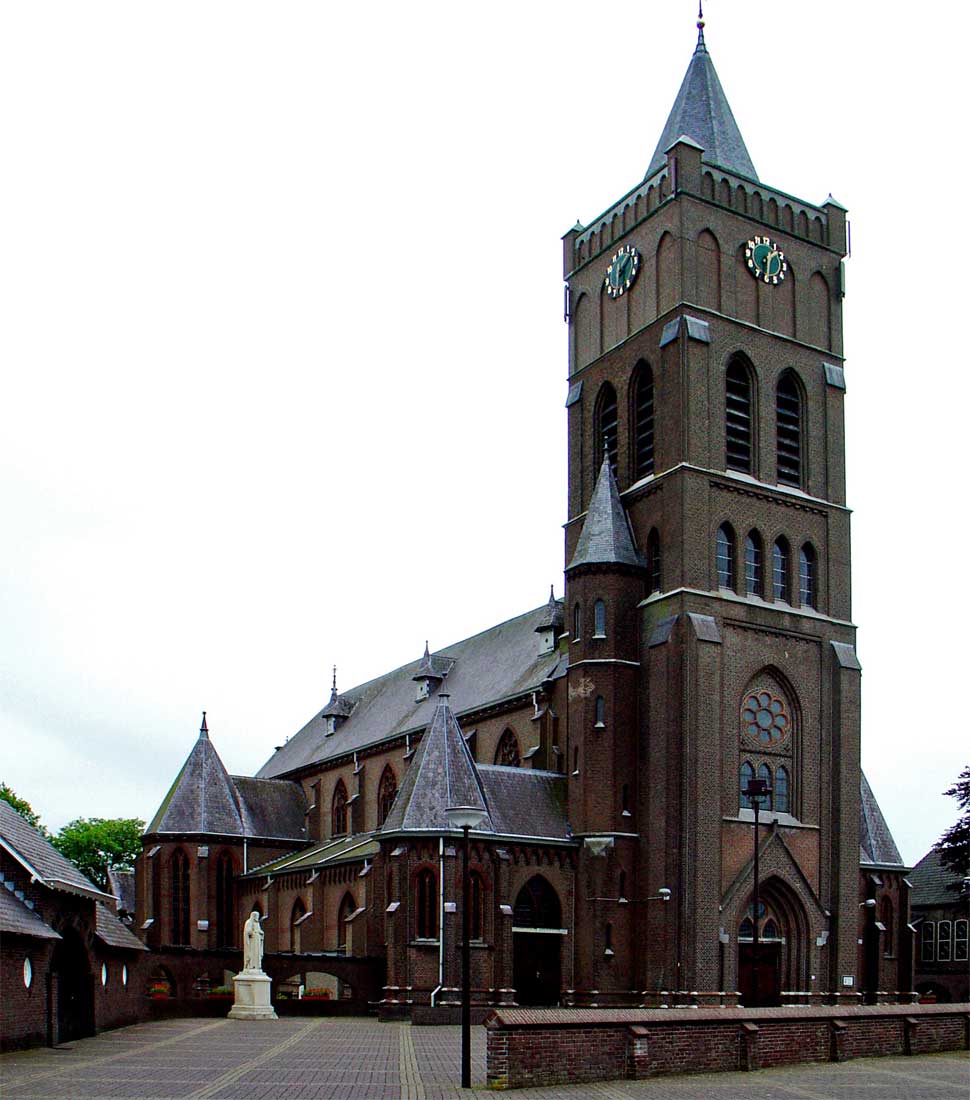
x=465 y=818
x=754 y=792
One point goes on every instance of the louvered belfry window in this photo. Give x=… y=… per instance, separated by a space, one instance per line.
x=643 y=425
x=789 y=431
x=738 y=423
x=606 y=425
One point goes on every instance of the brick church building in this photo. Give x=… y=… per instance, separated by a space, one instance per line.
x=607 y=738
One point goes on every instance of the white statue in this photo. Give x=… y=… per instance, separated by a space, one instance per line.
x=253 y=943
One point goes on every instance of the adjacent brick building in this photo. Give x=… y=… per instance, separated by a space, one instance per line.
x=704 y=640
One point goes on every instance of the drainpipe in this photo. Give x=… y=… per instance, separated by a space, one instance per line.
x=441 y=919
x=245 y=856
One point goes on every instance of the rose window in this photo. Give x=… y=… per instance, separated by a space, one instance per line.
x=764 y=718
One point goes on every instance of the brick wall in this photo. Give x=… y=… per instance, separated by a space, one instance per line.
x=542 y=1047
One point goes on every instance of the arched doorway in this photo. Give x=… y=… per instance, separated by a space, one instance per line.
x=72 y=989
x=782 y=954
x=537 y=944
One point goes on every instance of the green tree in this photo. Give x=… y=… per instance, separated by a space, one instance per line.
x=954 y=844
x=22 y=806
x=95 y=844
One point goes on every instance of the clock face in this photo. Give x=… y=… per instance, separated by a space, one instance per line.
x=765 y=260
x=622 y=271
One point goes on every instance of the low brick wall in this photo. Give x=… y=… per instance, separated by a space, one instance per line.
x=541 y=1047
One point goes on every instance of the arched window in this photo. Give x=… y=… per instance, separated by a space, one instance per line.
x=575 y=761
x=643 y=423
x=297 y=913
x=426 y=904
x=782 y=791
x=653 y=561
x=609 y=938
x=386 y=793
x=346 y=910
x=600 y=708
x=537 y=905
x=764 y=774
x=623 y=885
x=886 y=919
x=599 y=619
x=746 y=930
x=807 y=576
x=476 y=913
x=577 y=623
x=738 y=425
x=725 y=556
x=747 y=774
x=781 y=570
x=754 y=573
x=180 y=897
x=338 y=811
x=507 y=751
x=788 y=411
x=225 y=910
x=605 y=425
x=770 y=930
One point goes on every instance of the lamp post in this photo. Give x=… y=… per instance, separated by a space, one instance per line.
x=754 y=792
x=465 y=818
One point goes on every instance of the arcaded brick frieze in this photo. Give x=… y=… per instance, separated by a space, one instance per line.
x=533 y=1047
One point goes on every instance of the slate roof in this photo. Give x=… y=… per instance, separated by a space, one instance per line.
x=122 y=885
x=441 y=774
x=16 y=918
x=499 y=663
x=523 y=802
x=553 y=618
x=39 y=856
x=111 y=931
x=930 y=880
x=205 y=799
x=701 y=112
x=605 y=537
x=875 y=839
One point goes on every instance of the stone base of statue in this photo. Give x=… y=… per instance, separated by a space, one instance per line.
x=252 y=1001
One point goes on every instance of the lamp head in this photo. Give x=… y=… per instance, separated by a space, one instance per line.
x=461 y=817
x=664 y=893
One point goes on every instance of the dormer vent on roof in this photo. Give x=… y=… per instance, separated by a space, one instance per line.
x=550 y=625
x=430 y=674
x=337 y=710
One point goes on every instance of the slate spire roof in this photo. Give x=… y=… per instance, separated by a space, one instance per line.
x=338 y=707
x=605 y=538
x=701 y=112
x=441 y=774
x=552 y=618
x=875 y=840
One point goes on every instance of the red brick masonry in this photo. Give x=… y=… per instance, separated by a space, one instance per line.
x=555 y=1046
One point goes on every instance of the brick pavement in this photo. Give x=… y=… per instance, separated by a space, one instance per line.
x=361 y=1059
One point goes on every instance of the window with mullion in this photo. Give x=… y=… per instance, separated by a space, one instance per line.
x=725 y=556
x=781 y=567
x=928 y=941
x=808 y=576
x=943 y=932
x=754 y=575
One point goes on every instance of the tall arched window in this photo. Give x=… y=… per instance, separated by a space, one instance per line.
x=653 y=561
x=180 y=897
x=477 y=905
x=886 y=919
x=754 y=572
x=386 y=793
x=764 y=774
x=738 y=425
x=225 y=910
x=788 y=414
x=747 y=774
x=781 y=570
x=643 y=421
x=297 y=913
x=605 y=425
x=807 y=576
x=725 y=556
x=347 y=909
x=507 y=750
x=782 y=791
x=426 y=904
x=600 y=710
x=599 y=619
x=577 y=623
x=338 y=811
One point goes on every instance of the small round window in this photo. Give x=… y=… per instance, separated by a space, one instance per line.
x=764 y=718
x=28 y=972
x=104 y=973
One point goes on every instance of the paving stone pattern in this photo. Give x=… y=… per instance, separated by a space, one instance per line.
x=360 y=1059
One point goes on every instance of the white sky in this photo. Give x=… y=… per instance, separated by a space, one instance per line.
x=284 y=365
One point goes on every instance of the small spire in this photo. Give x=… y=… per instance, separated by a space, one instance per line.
x=204 y=729
x=552 y=597
x=701 y=45
x=333 y=689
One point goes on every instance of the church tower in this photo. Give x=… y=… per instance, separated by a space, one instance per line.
x=707 y=575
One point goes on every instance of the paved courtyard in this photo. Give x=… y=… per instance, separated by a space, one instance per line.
x=360 y=1059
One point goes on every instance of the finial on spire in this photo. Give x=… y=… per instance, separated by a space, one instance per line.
x=334 y=678
x=701 y=45
x=552 y=598
x=427 y=655
x=204 y=728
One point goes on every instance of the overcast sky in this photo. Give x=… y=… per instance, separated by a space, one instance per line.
x=284 y=361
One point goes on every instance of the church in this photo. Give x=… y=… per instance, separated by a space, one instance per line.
x=613 y=740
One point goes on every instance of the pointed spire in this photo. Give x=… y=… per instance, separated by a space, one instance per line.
x=605 y=538
x=333 y=690
x=552 y=618
x=702 y=113
x=204 y=729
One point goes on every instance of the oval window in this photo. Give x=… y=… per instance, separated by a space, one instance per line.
x=104 y=973
x=28 y=972
x=124 y=975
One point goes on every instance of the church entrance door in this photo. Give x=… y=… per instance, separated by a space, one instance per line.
x=537 y=944
x=769 y=975
x=72 y=989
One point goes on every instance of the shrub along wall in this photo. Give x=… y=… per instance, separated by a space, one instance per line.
x=532 y=1047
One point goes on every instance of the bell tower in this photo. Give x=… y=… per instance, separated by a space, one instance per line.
x=705 y=363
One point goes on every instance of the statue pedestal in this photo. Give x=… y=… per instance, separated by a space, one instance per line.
x=252 y=1000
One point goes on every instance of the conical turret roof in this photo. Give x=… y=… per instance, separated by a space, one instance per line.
x=605 y=538
x=701 y=112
